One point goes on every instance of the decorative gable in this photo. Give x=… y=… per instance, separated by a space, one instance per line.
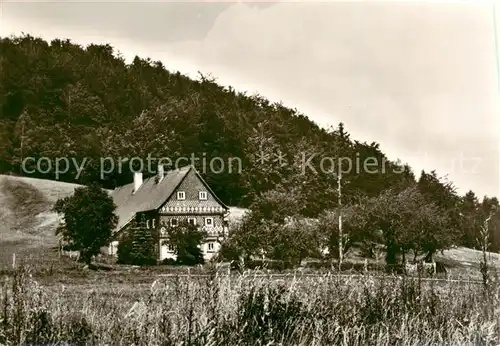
x=196 y=198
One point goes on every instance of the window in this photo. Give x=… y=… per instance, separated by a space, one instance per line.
x=192 y=220
x=202 y=195
x=163 y=230
x=210 y=246
x=173 y=222
x=209 y=221
x=147 y=223
x=181 y=195
x=170 y=248
x=153 y=222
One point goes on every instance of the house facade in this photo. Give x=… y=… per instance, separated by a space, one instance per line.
x=168 y=199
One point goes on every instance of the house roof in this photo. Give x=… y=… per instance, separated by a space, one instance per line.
x=150 y=195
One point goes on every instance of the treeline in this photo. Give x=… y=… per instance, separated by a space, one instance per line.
x=59 y=99
x=417 y=219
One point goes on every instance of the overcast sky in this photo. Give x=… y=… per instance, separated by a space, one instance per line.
x=419 y=78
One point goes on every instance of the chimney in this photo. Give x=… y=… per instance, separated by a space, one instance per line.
x=137 y=181
x=161 y=174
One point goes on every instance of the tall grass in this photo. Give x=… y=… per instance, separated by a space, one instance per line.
x=244 y=310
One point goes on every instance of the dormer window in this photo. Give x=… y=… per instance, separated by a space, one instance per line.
x=181 y=195
x=202 y=196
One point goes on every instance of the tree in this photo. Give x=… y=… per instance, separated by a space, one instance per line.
x=186 y=240
x=356 y=225
x=431 y=231
x=443 y=195
x=125 y=249
x=269 y=213
x=89 y=218
x=470 y=220
x=294 y=241
x=473 y=215
x=490 y=216
x=406 y=220
x=137 y=246
x=229 y=251
x=276 y=229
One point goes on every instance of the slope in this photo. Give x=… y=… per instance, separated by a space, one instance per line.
x=27 y=225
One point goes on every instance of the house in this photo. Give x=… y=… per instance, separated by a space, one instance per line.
x=169 y=198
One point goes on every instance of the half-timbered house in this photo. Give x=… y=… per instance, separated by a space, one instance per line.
x=170 y=198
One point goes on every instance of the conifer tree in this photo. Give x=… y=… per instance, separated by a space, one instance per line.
x=137 y=246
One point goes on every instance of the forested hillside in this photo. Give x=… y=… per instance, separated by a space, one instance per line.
x=59 y=99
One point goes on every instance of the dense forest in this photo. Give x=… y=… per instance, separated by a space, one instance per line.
x=59 y=99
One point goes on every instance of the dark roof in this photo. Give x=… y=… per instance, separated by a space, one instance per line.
x=150 y=195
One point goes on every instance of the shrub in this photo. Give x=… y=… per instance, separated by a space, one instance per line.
x=169 y=262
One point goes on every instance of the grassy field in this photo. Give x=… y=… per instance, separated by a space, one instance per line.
x=100 y=309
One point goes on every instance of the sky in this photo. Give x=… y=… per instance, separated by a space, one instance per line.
x=420 y=78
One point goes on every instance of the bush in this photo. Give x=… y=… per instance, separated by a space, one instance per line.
x=169 y=262
x=229 y=252
x=190 y=258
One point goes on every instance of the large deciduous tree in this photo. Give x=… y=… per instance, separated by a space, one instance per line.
x=274 y=228
x=355 y=228
x=442 y=194
x=401 y=220
x=89 y=218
